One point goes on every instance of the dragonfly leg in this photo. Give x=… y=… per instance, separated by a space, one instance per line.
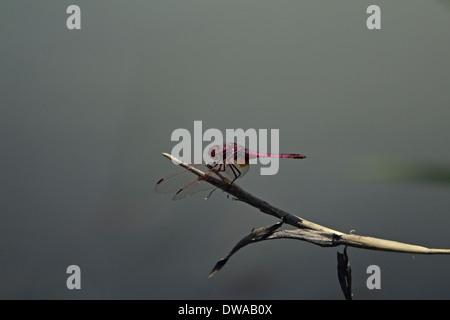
x=233 y=198
x=210 y=193
x=237 y=174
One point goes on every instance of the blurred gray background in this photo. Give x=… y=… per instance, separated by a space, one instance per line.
x=85 y=116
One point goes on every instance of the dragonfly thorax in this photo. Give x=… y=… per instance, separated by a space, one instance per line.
x=229 y=153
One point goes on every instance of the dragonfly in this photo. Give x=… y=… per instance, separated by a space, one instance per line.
x=230 y=161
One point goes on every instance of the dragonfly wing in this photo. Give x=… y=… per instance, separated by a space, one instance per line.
x=177 y=180
x=186 y=183
x=192 y=188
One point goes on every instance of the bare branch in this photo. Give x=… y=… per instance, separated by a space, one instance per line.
x=255 y=236
x=345 y=274
x=306 y=230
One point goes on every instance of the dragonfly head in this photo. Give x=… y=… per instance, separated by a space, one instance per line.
x=215 y=153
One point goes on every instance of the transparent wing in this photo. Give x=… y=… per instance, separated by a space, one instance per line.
x=192 y=188
x=179 y=179
x=232 y=172
x=186 y=183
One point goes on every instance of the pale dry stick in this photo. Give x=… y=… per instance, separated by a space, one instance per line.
x=308 y=231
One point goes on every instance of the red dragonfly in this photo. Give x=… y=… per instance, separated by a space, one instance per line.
x=231 y=161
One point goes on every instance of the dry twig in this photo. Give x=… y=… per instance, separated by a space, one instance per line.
x=305 y=230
